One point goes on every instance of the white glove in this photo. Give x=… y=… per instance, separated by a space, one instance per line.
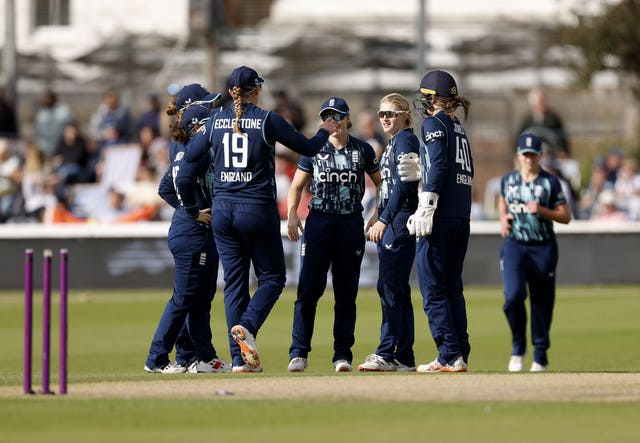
x=409 y=168
x=420 y=223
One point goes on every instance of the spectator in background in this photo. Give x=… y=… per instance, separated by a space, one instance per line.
x=10 y=176
x=71 y=156
x=627 y=188
x=110 y=116
x=608 y=209
x=597 y=183
x=290 y=109
x=49 y=122
x=155 y=149
x=151 y=117
x=612 y=163
x=541 y=116
x=8 y=121
x=368 y=131
x=38 y=190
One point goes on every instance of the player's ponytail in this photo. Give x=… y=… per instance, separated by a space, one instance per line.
x=176 y=131
x=236 y=94
x=171 y=109
x=451 y=104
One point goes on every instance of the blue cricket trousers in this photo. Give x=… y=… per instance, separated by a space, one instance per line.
x=185 y=321
x=335 y=241
x=534 y=265
x=396 y=253
x=248 y=233
x=439 y=261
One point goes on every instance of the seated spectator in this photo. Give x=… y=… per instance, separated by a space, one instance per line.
x=38 y=188
x=155 y=149
x=290 y=109
x=597 y=183
x=608 y=209
x=71 y=156
x=627 y=188
x=151 y=117
x=110 y=116
x=10 y=177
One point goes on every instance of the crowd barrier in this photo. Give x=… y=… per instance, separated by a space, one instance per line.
x=136 y=255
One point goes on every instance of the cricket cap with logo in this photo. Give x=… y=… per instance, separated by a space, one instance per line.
x=335 y=104
x=245 y=78
x=194 y=116
x=529 y=144
x=438 y=83
x=191 y=93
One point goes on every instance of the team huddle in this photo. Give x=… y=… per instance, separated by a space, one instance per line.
x=221 y=183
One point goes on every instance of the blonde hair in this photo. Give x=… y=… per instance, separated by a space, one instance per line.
x=237 y=96
x=401 y=103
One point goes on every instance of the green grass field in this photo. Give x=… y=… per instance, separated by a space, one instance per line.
x=595 y=329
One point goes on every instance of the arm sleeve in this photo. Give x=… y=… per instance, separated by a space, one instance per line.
x=401 y=189
x=277 y=129
x=166 y=190
x=435 y=139
x=199 y=144
x=187 y=187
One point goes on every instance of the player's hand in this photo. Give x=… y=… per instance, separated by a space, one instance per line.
x=409 y=168
x=330 y=125
x=505 y=224
x=294 y=227
x=204 y=216
x=533 y=206
x=420 y=223
x=376 y=232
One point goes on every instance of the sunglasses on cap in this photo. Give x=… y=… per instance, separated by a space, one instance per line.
x=337 y=117
x=390 y=114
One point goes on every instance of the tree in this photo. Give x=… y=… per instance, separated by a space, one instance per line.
x=609 y=40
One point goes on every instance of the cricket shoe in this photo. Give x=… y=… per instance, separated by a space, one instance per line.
x=401 y=367
x=215 y=365
x=516 y=363
x=375 y=363
x=297 y=364
x=342 y=366
x=537 y=367
x=169 y=368
x=435 y=366
x=247 y=344
x=246 y=369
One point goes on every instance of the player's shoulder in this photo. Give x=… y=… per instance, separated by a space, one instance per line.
x=434 y=128
x=407 y=140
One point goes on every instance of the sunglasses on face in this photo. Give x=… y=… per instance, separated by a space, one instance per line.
x=390 y=114
x=336 y=117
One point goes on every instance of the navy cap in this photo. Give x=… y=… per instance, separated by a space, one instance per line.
x=194 y=115
x=336 y=104
x=245 y=78
x=529 y=143
x=439 y=83
x=189 y=94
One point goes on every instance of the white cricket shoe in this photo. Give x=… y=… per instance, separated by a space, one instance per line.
x=375 y=363
x=246 y=369
x=435 y=366
x=297 y=364
x=342 y=366
x=516 y=363
x=247 y=343
x=537 y=367
x=169 y=368
x=215 y=365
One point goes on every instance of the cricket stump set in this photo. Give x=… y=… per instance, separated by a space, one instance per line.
x=46 y=321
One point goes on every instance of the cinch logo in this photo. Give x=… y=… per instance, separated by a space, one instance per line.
x=328 y=176
x=385 y=173
x=433 y=135
x=518 y=208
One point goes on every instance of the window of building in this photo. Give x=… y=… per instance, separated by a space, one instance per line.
x=51 y=12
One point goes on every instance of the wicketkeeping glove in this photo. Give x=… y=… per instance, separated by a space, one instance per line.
x=409 y=168
x=420 y=223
